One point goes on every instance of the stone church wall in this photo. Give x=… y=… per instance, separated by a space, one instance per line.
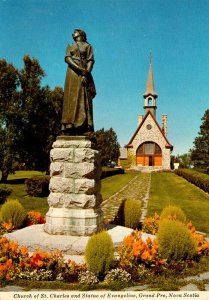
x=152 y=135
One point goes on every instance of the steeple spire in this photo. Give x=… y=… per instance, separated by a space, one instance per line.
x=150 y=95
x=150 y=89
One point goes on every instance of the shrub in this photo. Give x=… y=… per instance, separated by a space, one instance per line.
x=38 y=186
x=134 y=251
x=173 y=213
x=132 y=213
x=199 y=179
x=13 y=212
x=175 y=241
x=107 y=172
x=99 y=253
x=118 y=275
x=4 y=193
x=37 y=275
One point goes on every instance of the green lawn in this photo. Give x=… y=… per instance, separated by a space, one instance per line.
x=170 y=189
x=111 y=185
x=16 y=182
x=166 y=188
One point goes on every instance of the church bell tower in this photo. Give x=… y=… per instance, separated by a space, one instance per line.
x=150 y=95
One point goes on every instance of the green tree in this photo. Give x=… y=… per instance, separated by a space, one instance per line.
x=9 y=117
x=30 y=116
x=184 y=160
x=200 y=152
x=107 y=144
x=41 y=115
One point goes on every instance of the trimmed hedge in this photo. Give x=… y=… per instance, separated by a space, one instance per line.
x=176 y=241
x=171 y=211
x=4 y=193
x=99 y=253
x=132 y=213
x=38 y=186
x=13 y=211
x=107 y=172
x=199 y=179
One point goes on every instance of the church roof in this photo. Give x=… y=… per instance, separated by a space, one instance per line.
x=150 y=89
x=167 y=145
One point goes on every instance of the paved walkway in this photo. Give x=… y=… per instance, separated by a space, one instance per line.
x=137 y=188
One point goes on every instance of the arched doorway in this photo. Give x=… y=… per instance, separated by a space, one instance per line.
x=149 y=154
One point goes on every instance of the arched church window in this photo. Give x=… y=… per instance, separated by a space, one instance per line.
x=140 y=150
x=158 y=149
x=149 y=148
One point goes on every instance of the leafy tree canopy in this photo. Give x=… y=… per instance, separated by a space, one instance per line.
x=107 y=144
x=30 y=116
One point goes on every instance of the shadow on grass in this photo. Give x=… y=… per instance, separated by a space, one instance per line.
x=16 y=181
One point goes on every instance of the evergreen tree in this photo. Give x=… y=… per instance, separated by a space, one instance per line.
x=200 y=152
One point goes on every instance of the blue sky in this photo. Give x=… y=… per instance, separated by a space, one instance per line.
x=122 y=33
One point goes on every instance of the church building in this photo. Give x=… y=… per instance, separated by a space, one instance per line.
x=149 y=147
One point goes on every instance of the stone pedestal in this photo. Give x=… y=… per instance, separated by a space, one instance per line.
x=74 y=198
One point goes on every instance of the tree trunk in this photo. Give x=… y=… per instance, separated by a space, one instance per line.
x=4 y=176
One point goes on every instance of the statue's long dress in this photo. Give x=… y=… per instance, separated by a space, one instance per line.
x=77 y=105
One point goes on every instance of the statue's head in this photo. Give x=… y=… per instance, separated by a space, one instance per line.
x=79 y=32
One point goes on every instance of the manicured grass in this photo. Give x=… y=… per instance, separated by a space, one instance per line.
x=110 y=186
x=16 y=182
x=170 y=189
x=113 y=184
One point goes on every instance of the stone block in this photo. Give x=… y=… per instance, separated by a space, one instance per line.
x=61 y=185
x=80 y=170
x=56 y=169
x=55 y=200
x=61 y=155
x=85 y=186
x=85 y=155
x=79 y=201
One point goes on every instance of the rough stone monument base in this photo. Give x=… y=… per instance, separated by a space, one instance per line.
x=74 y=198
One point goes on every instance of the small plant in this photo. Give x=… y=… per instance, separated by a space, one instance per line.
x=132 y=213
x=134 y=251
x=34 y=217
x=151 y=224
x=173 y=213
x=99 y=253
x=13 y=212
x=117 y=275
x=4 y=193
x=176 y=241
x=88 y=278
x=38 y=275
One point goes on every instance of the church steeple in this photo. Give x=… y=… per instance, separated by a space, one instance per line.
x=150 y=95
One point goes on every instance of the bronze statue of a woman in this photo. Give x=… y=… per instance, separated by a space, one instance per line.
x=79 y=91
